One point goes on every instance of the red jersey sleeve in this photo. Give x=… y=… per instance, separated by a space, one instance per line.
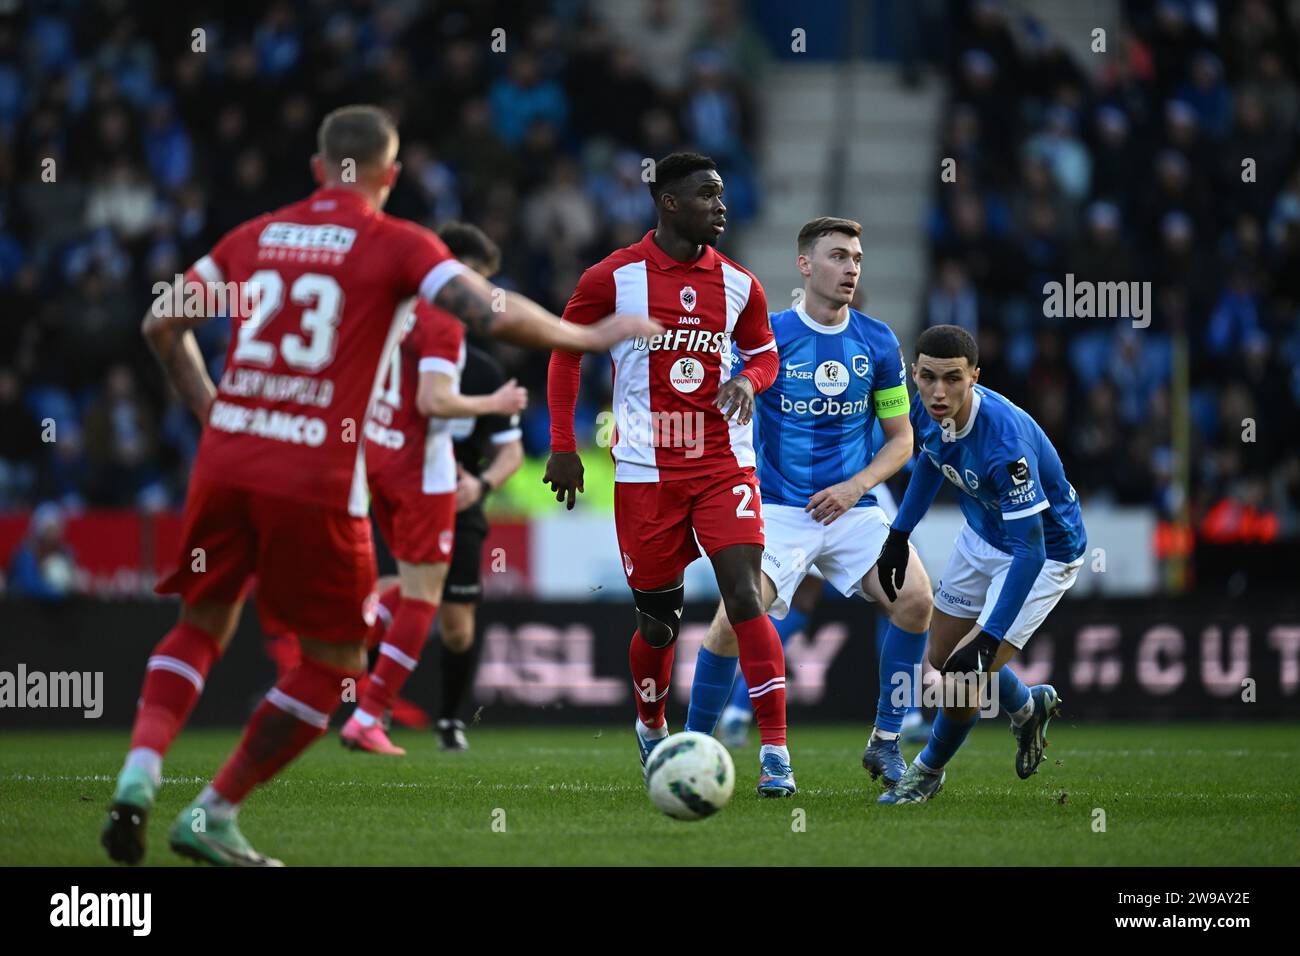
x=591 y=301
x=438 y=341
x=755 y=341
x=424 y=261
x=215 y=266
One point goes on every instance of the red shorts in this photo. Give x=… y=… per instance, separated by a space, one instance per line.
x=655 y=522
x=314 y=565
x=418 y=528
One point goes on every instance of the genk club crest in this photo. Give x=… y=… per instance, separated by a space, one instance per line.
x=688 y=298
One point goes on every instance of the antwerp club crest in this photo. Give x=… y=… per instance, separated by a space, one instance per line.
x=688 y=297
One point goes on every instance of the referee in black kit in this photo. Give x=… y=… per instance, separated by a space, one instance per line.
x=488 y=452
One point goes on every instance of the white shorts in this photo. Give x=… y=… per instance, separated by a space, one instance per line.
x=973 y=579
x=843 y=551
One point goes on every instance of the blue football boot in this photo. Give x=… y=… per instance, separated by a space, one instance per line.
x=883 y=760
x=646 y=744
x=776 y=778
x=916 y=786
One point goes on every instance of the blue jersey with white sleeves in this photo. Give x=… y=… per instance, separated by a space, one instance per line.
x=815 y=422
x=1008 y=470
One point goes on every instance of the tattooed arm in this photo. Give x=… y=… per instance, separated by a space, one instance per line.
x=515 y=318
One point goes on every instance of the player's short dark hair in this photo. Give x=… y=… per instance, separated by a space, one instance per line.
x=948 y=341
x=470 y=243
x=675 y=167
x=360 y=133
x=814 y=229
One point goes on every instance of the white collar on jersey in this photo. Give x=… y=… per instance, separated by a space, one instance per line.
x=816 y=326
x=974 y=410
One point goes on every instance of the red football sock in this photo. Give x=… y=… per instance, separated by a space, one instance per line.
x=763 y=663
x=283 y=651
x=292 y=715
x=651 y=669
x=173 y=681
x=385 y=608
x=399 y=653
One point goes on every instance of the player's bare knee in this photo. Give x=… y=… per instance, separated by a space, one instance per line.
x=457 y=639
x=349 y=656
x=216 y=620
x=912 y=610
x=659 y=614
x=721 y=639
x=423 y=582
x=743 y=603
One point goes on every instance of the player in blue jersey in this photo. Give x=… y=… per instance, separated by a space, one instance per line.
x=1019 y=550
x=841 y=371
x=733 y=727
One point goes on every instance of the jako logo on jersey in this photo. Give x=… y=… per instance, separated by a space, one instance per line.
x=684 y=340
x=444 y=542
x=688 y=298
x=832 y=378
x=861 y=366
x=687 y=374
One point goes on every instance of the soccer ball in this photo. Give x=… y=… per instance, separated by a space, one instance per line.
x=690 y=776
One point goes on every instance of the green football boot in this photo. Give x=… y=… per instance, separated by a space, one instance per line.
x=217 y=841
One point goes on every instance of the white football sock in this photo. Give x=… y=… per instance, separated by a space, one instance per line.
x=150 y=761
x=364 y=719
x=878 y=734
x=781 y=749
x=652 y=733
x=217 y=806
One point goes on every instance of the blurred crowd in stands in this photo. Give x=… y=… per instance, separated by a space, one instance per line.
x=530 y=120
x=129 y=144
x=1137 y=172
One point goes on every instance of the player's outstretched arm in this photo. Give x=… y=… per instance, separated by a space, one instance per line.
x=830 y=503
x=171 y=337
x=436 y=397
x=518 y=319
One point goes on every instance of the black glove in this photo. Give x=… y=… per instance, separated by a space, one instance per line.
x=891 y=566
x=976 y=657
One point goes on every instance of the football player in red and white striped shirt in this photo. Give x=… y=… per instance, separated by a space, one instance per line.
x=412 y=470
x=278 y=489
x=682 y=446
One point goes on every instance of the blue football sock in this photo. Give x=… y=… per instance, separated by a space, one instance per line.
x=900 y=653
x=794 y=622
x=1012 y=692
x=946 y=737
x=709 y=690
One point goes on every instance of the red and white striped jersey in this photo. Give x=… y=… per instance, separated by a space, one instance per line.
x=329 y=278
x=665 y=424
x=407 y=449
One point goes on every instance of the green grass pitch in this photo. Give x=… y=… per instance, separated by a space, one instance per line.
x=1189 y=794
